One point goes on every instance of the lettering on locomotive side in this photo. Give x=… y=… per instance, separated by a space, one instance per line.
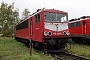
x=37 y=28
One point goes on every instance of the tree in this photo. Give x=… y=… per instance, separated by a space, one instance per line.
x=26 y=13
x=9 y=17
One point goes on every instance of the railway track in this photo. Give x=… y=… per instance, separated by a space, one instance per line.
x=67 y=56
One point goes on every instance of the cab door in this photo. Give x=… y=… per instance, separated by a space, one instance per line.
x=31 y=28
x=84 y=27
x=37 y=28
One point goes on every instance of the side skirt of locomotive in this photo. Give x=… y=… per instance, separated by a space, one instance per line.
x=48 y=45
x=51 y=45
x=81 y=39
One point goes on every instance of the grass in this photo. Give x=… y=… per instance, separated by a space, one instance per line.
x=79 y=49
x=10 y=49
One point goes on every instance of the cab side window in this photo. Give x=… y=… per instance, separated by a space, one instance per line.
x=78 y=24
x=37 y=18
x=72 y=25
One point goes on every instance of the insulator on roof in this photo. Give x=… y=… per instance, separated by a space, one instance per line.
x=73 y=19
x=78 y=18
x=44 y=8
x=83 y=17
x=88 y=16
x=38 y=10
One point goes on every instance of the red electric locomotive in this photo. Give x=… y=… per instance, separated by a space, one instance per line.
x=80 y=29
x=46 y=29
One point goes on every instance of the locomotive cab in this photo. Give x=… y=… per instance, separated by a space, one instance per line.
x=55 y=24
x=55 y=31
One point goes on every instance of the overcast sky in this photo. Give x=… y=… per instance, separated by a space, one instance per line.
x=75 y=8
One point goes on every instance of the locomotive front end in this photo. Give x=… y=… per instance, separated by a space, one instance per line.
x=55 y=33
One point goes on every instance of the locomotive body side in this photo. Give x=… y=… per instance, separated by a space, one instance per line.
x=33 y=29
x=22 y=30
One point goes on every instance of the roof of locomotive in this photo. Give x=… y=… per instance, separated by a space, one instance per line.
x=54 y=11
x=44 y=10
x=79 y=19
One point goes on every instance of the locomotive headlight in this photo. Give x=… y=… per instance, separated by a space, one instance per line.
x=49 y=33
x=66 y=33
x=45 y=33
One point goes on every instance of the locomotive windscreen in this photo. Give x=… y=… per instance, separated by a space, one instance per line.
x=54 y=17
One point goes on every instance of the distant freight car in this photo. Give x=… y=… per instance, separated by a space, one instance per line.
x=46 y=29
x=80 y=30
